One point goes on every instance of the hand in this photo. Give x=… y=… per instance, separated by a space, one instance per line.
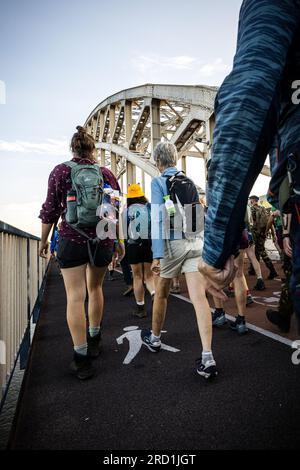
x=219 y=278
x=44 y=247
x=287 y=247
x=155 y=267
x=219 y=294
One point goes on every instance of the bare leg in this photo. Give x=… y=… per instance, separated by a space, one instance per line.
x=196 y=287
x=255 y=263
x=240 y=285
x=95 y=277
x=75 y=284
x=218 y=303
x=138 y=286
x=162 y=289
x=148 y=278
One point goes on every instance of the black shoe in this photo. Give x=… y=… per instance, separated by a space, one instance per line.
x=140 y=311
x=81 y=367
x=218 y=318
x=239 y=325
x=94 y=345
x=274 y=317
x=207 y=370
x=272 y=274
x=260 y=285
x=128 y=291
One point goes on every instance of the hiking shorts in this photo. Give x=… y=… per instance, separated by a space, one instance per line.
x=139 y=252
x=182 y=256
x=71 y=254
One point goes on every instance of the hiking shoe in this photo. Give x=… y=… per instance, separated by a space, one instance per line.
x=239 y=325
x=128 y=291
x=260 y=285
x=249 y=300
x=175 y=290
x=153 y=346
x=81 y=367
x=94 y=345
x=207 y=370
x=140 y=311
x=218 y=319
x=273 y=274
x=274 y=317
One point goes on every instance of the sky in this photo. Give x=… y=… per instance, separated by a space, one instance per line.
x=60 y=58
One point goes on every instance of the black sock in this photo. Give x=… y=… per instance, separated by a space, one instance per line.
x=240 y=318
x=219 y=311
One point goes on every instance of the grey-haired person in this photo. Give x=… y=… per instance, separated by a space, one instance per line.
x=174 y=254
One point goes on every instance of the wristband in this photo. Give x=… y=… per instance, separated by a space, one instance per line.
x=285 y=235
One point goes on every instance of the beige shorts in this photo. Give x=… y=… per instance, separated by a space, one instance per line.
x=182 y=256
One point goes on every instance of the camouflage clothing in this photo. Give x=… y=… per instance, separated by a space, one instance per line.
x=260 y=250
x=285 y=302
x=259 y=237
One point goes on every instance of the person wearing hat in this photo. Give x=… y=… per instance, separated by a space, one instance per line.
x=139 y=253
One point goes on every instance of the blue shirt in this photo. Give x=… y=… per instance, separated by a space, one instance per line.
x=158 y=213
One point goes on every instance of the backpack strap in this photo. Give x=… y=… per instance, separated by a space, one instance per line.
x=70 y=164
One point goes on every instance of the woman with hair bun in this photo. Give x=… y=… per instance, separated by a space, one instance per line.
x=74 y=190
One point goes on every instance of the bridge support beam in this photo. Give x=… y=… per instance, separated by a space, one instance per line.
x=155 y=125
x=113 y=163
x=102 y=157
x=131 y=173
x=143 y=181
x=183 y=163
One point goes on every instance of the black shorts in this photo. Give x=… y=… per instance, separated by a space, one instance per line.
x=139 y=252
x=244 y=241
x=71 y=254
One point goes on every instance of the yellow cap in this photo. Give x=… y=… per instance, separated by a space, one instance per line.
x=134 y=190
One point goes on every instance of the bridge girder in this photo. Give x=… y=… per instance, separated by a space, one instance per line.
x=128 y=125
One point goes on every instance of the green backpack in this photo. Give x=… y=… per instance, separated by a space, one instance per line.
x=85 y=196
x=262 y=218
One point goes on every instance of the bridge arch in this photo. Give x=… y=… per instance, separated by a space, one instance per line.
x=128 y=125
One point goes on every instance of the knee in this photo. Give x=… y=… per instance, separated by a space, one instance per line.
x=162 y=292
x=76 y=295
x=95 y=290
x=138 y=276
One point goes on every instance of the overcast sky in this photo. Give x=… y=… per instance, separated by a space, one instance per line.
x=60 y=58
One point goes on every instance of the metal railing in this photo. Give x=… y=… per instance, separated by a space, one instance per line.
x=21 y=276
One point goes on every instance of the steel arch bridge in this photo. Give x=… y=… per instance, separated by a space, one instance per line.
x=128 y=125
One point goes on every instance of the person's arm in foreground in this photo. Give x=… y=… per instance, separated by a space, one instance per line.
x=246 y=123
